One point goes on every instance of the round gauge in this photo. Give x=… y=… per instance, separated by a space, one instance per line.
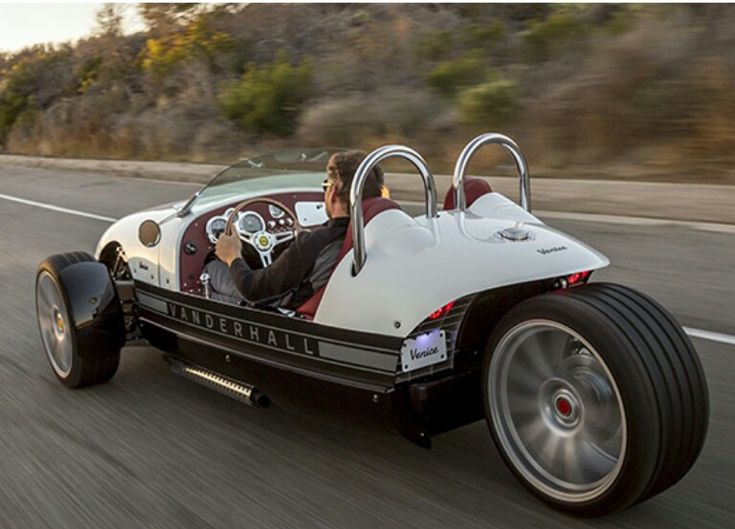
x=251 y=222
x=275 y=211
x=215 y=228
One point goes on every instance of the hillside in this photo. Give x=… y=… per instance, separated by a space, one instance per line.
x=621 y=91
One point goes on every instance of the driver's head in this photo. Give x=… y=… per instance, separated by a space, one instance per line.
x=341 y=170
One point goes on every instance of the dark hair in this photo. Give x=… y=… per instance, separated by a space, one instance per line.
x=342 y=168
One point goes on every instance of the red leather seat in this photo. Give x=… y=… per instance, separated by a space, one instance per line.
x=474 y=188
x=370 y=208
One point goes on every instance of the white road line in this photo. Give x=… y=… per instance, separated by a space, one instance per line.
x=57 y=208
x=636 y=221
x=711 y=336
x=694 y=333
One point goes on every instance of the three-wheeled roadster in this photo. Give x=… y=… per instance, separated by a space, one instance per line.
x=592 y=392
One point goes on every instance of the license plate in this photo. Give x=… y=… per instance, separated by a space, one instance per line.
x=424 y=350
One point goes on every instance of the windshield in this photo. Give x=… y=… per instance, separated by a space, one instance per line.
x=276 y=170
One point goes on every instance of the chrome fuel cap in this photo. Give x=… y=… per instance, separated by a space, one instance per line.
x=515 y=233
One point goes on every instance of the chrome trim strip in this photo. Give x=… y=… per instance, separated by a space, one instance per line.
x=354 y=356
x=148 y=301
x=379 y=350
x=280 y=365
x=342 y=363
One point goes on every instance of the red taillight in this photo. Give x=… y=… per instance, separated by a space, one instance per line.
x=579 y=277
x=442 y=311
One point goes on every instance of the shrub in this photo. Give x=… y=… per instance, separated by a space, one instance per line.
x=11 y=106
x=621 y=21
x=359 y=118
x=268 y=99
x=435 y=45
x=547 y=37
x=195 y=41
x=448 y=77
x=88 y=73
x=33 y=82
x=491 y=103
x=485 y=36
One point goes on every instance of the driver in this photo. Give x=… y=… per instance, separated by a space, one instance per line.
x=305 y=266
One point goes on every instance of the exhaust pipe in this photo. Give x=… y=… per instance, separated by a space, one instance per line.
x=227 y=386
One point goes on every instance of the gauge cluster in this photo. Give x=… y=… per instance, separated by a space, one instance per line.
x=249 y=222
x=215 y=228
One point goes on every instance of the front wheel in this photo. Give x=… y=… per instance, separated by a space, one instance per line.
x=595 y=397
x=80 y=319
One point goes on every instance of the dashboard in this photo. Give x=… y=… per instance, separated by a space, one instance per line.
x=200 y=236
x=249 y=222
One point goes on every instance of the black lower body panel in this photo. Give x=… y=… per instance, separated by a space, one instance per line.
x=418 y=410
x=287 y=388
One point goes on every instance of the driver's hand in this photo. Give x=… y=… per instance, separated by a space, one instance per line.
x=228 y=248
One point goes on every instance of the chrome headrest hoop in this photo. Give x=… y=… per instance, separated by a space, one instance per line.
x=358 y=183
x=460 y=169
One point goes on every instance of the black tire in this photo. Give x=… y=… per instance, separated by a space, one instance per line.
x=93 y=353
x=657 y=390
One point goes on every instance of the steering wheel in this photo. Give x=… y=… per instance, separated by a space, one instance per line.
x=263 y=241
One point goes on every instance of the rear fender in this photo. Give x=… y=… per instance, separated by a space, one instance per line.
x=485 y=312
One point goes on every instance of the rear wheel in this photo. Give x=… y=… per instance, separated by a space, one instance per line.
x=77 y=360
x=595 y=397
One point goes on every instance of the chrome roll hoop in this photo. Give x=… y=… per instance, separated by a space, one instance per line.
x=358 y=183
x=464 y=159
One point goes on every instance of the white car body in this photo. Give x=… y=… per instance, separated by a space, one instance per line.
x=414 y=265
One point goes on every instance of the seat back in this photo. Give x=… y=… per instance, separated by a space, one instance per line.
x=370 y=208
x=474 y=188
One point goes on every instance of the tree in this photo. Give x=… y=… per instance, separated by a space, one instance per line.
x=37 y=77
x=109 y=20
x=164 y=19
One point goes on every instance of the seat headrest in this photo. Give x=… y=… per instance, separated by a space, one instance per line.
x=374 y=205
x=474 y=188
x=370 y=208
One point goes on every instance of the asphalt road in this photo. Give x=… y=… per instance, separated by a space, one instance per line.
x=150 y=449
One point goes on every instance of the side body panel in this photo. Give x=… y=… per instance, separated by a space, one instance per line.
x=148 y=264
x=353 y=358
x=159 y=265
x=415 y=266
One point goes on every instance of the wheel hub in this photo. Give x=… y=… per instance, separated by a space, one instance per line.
x=563 y=406
x=566 y=408
x=560 y=405
x=59 y=327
